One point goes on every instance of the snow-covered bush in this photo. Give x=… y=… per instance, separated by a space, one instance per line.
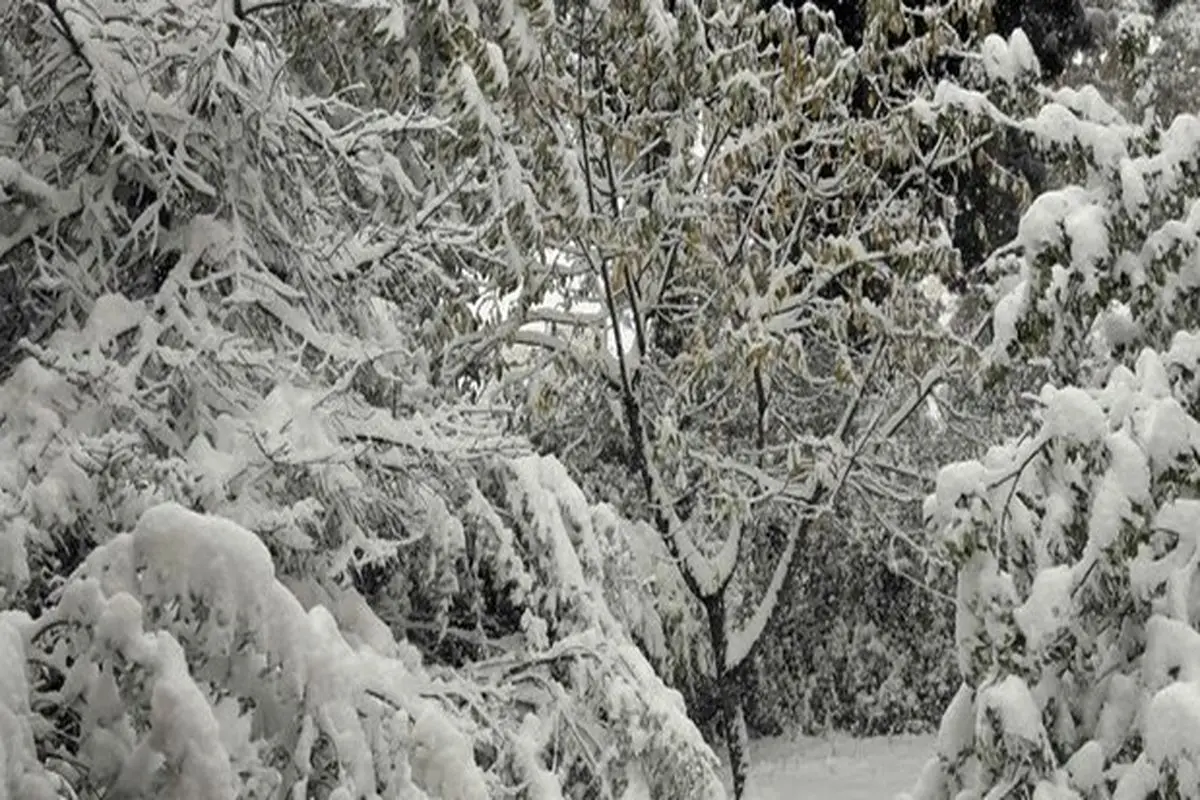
x=189 y=635
x=1076 y=543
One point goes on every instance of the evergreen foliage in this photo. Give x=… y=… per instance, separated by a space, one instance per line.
x=1075 y=541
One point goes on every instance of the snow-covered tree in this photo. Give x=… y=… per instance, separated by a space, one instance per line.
x=729 y=312
x=1076 y=542
x=254 y=540
x=1145 y=61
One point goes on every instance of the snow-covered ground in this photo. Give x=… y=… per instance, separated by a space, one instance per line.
x=836 y=768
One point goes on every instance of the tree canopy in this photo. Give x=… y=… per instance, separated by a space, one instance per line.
x=414 y=399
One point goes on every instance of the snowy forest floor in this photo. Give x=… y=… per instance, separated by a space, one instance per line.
x=836 y=768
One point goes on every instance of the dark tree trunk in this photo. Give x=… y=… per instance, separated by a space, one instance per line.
x=733 y=717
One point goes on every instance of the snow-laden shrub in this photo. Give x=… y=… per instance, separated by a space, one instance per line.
x=1077 y=543
x=191 y=671
x=277 y=669
x=22 y=774
x=195 y=673
x=1076 y=550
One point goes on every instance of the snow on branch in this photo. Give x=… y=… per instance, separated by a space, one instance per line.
x=211 y=584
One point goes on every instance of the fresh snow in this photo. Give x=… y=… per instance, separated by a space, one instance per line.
x=1015 y=708
x=1008 y=61
x=836 y=768
x=1008 y=312
x=1047 y=610
x=1073 y=414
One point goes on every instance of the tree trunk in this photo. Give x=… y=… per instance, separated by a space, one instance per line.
x=737 y=741
x=733 y=717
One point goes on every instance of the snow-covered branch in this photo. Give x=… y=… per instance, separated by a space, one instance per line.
x=742 y=640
